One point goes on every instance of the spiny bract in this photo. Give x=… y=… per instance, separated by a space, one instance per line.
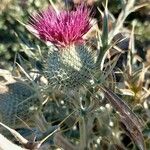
x=69 y=68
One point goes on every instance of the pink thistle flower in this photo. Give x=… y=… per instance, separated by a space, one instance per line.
x=63 y=28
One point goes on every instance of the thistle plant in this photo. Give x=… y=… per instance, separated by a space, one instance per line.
x=82 y=75
x=69 y=61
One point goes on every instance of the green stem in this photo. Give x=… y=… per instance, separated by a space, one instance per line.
x=83 y=133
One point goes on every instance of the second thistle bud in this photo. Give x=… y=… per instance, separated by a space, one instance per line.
x=18 y=104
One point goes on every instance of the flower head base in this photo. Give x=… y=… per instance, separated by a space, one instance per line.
x=63 y=28
x=70 y=69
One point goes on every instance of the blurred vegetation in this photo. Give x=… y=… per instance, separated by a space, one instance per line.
x=12 y=11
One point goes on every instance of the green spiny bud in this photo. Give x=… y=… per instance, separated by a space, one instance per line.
x=18 y=104
x=69 y=68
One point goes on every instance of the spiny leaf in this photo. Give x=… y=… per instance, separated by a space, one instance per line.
x=128 y=118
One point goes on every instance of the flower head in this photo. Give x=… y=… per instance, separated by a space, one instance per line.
x=63 y=28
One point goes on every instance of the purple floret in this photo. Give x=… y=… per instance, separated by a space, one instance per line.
x=63 y=28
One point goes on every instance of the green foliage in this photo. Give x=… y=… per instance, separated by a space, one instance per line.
x=11 y=11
